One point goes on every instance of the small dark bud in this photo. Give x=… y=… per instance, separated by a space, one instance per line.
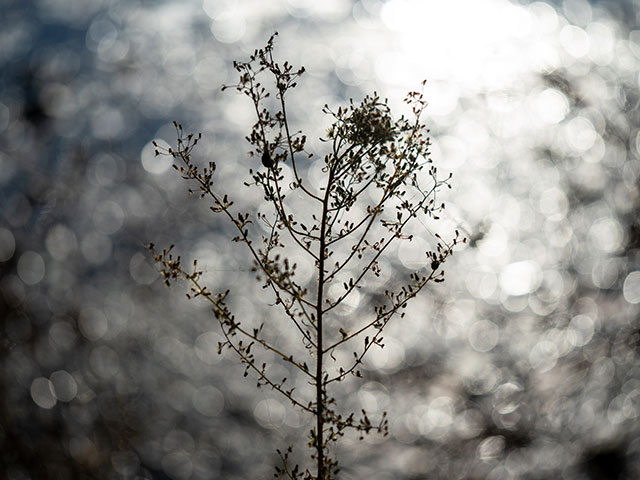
x=435 y=264
x=266 y=159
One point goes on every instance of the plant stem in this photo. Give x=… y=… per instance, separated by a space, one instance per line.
x=319 y=312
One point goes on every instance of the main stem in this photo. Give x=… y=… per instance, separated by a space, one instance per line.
x=319 y=354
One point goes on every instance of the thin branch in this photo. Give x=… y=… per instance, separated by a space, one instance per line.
x=202 y=291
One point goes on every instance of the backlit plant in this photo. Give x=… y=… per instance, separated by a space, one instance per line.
x=377 y=178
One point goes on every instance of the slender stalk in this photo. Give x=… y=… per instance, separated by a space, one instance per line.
x=319 y=313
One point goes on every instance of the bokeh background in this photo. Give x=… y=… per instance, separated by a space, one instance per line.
x=524 y=364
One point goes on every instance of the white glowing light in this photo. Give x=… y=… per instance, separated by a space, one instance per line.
x=440 y=413
x=580 y=134
x=551 y=106
x=607 y=234
x=490 y=448
x=412 y=254
x=494 y=242
x=141 y=270
x=388 y=358
x=42 y=393
x=602 y=49
x=554 y=203
x=229 y=27
x=152 y=163
x=269 y=413
x=520 y=278
x=207 y=347
x=483 y=41
x=543 y=356
x=483 y=335
x=631 y=287
x=574 y=40
x=481 y=283
x=64 y=385
x=580 y=330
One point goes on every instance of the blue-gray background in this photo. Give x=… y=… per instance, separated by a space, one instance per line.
x=523 y=364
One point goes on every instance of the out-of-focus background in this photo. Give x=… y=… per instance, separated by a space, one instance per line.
x=524 y=364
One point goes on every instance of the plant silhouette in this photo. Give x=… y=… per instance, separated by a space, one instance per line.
x=377 y=179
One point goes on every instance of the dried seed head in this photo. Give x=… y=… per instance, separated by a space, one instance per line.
x=266 y=159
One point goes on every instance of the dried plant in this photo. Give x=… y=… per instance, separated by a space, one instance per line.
x=377 y=179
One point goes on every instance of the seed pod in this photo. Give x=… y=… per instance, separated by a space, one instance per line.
x=266 y=159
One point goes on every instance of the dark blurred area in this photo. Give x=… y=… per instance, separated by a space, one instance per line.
x=524 y=364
